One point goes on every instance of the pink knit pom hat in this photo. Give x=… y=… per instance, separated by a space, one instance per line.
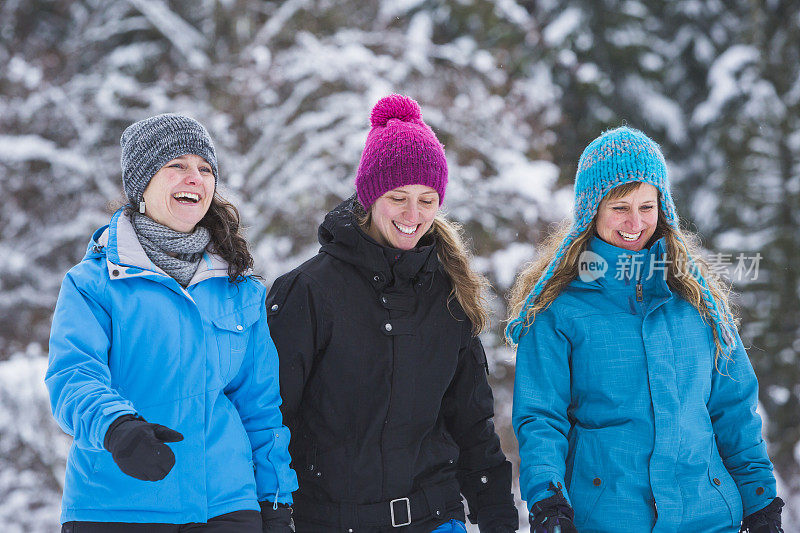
x=401 y=150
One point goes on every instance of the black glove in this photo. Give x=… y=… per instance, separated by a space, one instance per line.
x=276 y=519
x=551 y=512
x=498 y=518
x=138 y=448
x=767 y=520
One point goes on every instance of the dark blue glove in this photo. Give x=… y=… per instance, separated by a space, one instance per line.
x=553 y=514
x=767 y=520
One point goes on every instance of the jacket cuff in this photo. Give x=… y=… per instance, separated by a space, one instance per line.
x=488 y=489
x=111 y=415
x=756 y=496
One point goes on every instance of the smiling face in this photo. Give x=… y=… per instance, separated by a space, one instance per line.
x=629 y=221
x=180 y=193
x=401 y=217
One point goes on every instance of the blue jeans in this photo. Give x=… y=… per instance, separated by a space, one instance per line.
x=453 y=526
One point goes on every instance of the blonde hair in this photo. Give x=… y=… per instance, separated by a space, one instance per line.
x=684 y=263
x=469 y=287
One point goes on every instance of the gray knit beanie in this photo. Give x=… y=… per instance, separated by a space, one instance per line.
x=147 y=145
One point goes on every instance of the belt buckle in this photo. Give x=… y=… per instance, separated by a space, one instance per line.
x=408 y=512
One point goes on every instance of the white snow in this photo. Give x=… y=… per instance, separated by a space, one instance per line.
x=420 y=31
x=17 y=148
x=566 y=23
x=186 y=39
x=512 y=11
x=506 y=263
x=21 y=71
x=723 y=80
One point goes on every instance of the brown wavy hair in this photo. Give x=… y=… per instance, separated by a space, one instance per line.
x=683 y=251
x=469 y=287
x=224 y=224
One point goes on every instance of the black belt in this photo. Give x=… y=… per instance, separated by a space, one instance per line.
x=428 y=502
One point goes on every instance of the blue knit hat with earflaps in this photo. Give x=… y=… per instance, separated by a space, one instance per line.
x=617 y=157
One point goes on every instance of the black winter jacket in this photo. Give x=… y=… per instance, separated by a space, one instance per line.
x=384 y=389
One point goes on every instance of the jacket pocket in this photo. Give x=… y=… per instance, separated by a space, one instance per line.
x=108 y=488
x=233 y=333
x=721 y=481
x=586 y=482
x=330 y=471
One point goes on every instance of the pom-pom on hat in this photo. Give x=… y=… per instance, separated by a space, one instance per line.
x=147 y=145
x=400 y=150
x=619 y=156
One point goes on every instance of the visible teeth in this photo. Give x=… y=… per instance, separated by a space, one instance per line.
x=408 y=230
x=187 y=196
x=629 y=236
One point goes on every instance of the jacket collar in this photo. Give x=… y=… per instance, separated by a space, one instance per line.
x=340 y=236
x=126 y=258
x=623 y=268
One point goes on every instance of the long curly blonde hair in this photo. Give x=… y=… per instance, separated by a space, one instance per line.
x=683 y=251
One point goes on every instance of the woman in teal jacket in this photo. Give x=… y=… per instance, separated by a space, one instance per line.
x=161 y=363
x=634 y=400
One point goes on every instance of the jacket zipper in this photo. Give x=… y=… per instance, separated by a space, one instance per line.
x=275 y=469
x=388 y=413
x=393 y=368
x=639 y=288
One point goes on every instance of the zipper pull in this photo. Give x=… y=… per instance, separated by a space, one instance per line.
x=639 y=293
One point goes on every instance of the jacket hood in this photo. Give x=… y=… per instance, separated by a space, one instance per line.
x=118 y=243
x=341 y=237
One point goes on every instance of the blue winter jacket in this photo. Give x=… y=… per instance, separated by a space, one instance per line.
x=617 y=399
x=127 y=338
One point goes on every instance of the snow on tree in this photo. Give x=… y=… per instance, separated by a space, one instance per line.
x=514 y=90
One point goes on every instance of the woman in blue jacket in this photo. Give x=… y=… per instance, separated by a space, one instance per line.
x=633 y=391
x=161 y=363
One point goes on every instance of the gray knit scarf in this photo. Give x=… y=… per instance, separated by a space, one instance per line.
x=178 y=254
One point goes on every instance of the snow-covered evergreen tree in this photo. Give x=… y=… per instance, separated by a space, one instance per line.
x=514 y=89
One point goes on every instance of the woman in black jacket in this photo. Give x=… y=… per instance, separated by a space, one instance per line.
x=383 y=377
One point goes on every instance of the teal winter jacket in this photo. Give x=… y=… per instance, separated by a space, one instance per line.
x=617 y=399
x=127 y=338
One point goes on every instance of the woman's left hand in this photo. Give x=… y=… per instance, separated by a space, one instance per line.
x=767 y=520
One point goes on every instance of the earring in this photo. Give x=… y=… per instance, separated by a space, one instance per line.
x=141 y=207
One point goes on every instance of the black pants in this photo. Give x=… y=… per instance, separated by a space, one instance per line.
x=235 y=522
